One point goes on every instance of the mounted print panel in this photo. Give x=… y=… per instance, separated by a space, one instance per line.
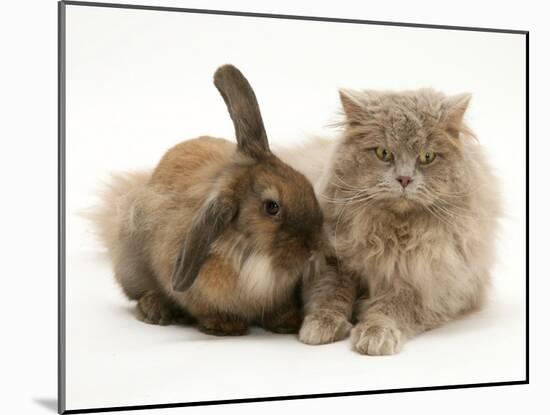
x=260 y=207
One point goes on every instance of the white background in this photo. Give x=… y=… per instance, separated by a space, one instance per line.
x=28 y=217
x=140 y=81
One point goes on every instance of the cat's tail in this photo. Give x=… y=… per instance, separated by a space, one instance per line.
x=117 y=198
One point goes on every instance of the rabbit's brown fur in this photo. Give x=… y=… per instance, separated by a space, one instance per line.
x=195 y=238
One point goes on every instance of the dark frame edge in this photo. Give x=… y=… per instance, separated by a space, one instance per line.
x=527 y=121
x=61 y=362
x=291 y=17
x=291 y=397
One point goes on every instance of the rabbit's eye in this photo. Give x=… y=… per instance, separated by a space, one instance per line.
x=271 y=207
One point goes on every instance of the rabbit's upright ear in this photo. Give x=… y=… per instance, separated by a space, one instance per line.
x=207 y=226
x=244 y=111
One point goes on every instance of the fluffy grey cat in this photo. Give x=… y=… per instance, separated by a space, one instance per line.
x=411 y=209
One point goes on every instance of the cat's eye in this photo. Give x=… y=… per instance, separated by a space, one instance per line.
x=271 y=207
x=383 y=154
x=426 y=157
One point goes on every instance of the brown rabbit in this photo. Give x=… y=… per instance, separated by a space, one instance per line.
x=218 y=232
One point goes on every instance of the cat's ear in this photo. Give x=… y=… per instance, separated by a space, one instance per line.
x=455 y=108
x=354 y=109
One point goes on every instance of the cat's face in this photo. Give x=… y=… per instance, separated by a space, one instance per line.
x=402 y=150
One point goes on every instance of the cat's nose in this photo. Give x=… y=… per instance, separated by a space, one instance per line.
x=404 y=180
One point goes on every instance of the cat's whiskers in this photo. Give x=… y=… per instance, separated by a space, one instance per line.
x=455 y=208
x=362 y=197
x=449 y=213
x=366 y=203
x=451 y=209
x=363 y=201
x=338 y=201
x=344 y=188
x=353 y=194
x=358 y=195
x=349 y=186
x=445 y=212
x=437 y=215
x=462 y=194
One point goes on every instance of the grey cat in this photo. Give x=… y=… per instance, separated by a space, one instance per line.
x=411 y=208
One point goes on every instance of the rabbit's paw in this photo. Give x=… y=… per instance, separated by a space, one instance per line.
x=284 y=323
x=219 y=326
x=153 y=308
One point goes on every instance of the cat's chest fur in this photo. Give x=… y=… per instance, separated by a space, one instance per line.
x=390 y=248
x=385 y=251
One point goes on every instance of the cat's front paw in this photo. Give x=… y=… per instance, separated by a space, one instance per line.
x=322 y=328
x=376 y=340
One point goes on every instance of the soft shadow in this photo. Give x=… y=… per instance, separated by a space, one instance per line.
x=48 y=403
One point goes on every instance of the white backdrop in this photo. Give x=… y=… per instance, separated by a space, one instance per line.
x=140 y=81
x=29 y=147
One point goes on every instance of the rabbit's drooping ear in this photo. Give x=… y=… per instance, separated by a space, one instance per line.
x=244 y=111
x=207 y=225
